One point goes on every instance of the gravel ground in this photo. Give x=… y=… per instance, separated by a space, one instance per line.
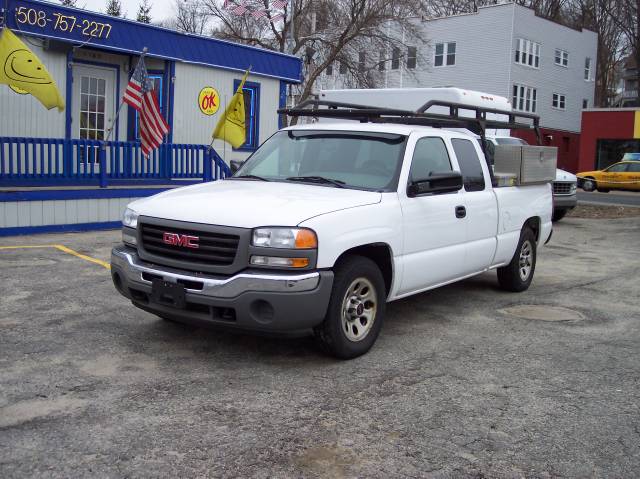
x=603 y=211
x=465 y=381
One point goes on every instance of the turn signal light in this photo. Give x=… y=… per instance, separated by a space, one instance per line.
x=306 y=239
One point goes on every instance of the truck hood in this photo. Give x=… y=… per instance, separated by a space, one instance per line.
x=249 y=204
x=562 y=175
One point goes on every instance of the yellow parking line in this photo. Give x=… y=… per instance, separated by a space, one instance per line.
x=62 y=248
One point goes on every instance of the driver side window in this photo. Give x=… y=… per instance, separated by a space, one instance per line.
x=429 y=157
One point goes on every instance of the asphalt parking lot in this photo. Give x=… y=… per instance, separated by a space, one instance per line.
x=465 y=381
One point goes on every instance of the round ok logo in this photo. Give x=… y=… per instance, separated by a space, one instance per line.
x=209 y=100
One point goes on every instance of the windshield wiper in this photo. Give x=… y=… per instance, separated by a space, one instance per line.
x=318 y=179
x=251 y=177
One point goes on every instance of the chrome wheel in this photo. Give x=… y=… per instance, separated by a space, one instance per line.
x=359 y=308
x=526 y=258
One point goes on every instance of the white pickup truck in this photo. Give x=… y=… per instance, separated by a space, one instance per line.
x=324 y=225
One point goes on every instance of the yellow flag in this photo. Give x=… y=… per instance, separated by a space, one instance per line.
x=23 y=71
x=231 y=127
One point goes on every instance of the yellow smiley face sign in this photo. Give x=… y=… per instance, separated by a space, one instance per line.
x=23 y=71
x=209 y=100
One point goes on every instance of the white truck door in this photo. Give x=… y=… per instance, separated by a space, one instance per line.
x=434 y=237
x=481 y=203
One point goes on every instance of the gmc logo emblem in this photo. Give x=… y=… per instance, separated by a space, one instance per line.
x=185 y=241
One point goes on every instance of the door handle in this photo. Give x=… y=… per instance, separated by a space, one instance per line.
x=461 y=212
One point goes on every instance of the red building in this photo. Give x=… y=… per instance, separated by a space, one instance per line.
x=567 y=142
x=607 y=134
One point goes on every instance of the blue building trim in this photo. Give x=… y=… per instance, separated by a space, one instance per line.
x=282 y=102
x=172 y=90
x=122 y=35
x=253 y=142
x=97 y=194
x=69 y=98
x=30 y=230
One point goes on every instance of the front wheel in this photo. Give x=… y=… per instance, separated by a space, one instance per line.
x=518 y=274
x=589 y=184
x=356 y=309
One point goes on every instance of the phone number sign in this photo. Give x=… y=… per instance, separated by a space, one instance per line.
x=62 y=23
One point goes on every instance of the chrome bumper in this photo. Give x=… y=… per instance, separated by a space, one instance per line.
x=127 y=262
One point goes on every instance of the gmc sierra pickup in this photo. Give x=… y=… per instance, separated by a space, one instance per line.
x=325 y=224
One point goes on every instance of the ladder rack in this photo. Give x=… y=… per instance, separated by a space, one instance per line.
x=478 y=123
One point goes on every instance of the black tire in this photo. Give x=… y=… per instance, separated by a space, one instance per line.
x=589 y=184
x=511 y=277
x=558 y=214
x=338 y=334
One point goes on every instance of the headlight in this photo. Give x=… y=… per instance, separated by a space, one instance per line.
x=574 y=188
x=291 y=238
x=130 y=218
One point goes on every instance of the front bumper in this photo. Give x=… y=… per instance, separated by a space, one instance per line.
x=281 y=302
x=565 y=202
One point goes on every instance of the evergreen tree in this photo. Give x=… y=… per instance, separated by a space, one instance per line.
x=144 y=11
x=114 y=8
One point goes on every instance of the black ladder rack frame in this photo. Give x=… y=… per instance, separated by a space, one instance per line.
x=477 y=124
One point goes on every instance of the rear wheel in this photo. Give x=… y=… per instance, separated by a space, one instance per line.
x=518 y=274
x=589 y=184
x=356 y=309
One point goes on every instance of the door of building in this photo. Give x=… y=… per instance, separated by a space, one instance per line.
x=94 y=106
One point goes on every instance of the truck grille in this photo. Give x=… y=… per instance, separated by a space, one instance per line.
x=560 y=188
x=214 y=249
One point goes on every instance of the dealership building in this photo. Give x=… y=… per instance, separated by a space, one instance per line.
x=91 y=57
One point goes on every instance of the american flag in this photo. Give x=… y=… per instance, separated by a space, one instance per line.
x=279 y=3
x=141 y=96
x=259 y=14
x=239 y=10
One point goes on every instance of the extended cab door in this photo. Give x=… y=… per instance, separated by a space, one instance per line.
x=434 y=234
x=481 y=206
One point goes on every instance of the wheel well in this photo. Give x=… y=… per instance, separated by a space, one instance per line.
x=534 y=224
x=380 y=254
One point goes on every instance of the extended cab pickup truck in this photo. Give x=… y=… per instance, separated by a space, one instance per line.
x=323 y=226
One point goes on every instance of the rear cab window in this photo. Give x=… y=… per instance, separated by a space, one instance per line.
x=470 y=166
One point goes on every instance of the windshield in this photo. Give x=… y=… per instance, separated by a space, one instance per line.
x=506 y=140
x=360 y=160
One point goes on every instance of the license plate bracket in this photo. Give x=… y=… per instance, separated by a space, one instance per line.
x=168 y=294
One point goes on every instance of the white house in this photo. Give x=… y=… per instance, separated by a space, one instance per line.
x=542 y=66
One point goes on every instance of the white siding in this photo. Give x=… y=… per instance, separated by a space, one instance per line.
x=485 y=60
x=23 y=115
x=191 y=126
x=61 y=212
x=551 y=78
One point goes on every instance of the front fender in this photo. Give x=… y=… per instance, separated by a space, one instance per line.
x=343 y=230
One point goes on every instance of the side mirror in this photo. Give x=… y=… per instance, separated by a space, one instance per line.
x=437 y=183
x=235 y=165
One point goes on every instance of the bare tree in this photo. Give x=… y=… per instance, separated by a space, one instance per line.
x=144 y=12
x=114 y=8
x=350 y=33
x=190 y=17
x=624 y=14
x=69 y=3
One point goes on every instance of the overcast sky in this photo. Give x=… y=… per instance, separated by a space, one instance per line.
x=160 y=9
